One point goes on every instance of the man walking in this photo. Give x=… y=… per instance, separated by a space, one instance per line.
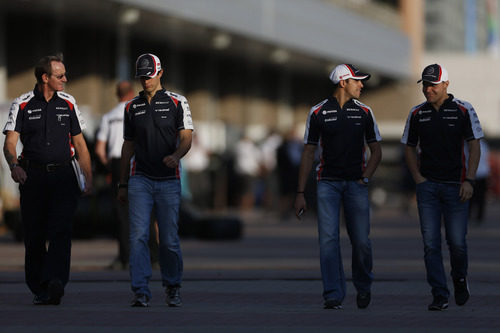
x=439 y=127
x=49 y=125
x=157 y=133
x=108 y=149
x=342 y=125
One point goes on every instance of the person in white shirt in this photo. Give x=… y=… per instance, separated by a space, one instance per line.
x=108 y=149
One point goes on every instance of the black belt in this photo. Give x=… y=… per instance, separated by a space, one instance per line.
x=49 y=167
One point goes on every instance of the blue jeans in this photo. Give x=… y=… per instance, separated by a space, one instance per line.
x=163 y=196
x=436 y=202
x=354 y=196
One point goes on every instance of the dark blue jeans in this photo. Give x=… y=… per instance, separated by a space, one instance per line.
x=164 y=197
x=354 y=197
x=441 y=202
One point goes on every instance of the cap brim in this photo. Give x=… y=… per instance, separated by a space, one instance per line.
x=433 y=82
x=362 y=76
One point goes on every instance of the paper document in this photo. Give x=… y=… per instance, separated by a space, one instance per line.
x=80 y=176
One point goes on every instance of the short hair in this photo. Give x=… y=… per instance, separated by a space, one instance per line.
x=123 y=88
x=44 y=66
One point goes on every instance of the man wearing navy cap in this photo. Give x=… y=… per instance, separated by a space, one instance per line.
x=445 y=182
x=343 y=126
x=157 y=134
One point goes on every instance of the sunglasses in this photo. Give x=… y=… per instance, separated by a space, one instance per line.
x=60 y=76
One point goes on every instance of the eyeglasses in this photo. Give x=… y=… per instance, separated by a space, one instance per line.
x=60 y=76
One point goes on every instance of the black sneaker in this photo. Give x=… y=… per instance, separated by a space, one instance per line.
x=140 y=300
x=462 y=293
x=439 y=303
x=363 y=299
x=173 y=296
x=56 y=292
x=332 y=304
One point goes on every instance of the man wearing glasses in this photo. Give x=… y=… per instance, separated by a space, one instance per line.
x=49 y=125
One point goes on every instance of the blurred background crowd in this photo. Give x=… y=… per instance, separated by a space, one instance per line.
x=251 y=70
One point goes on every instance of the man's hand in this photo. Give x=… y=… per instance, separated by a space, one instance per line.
x=122 y=196
x=466 y=191
x=18 y=174
x=171 y=161
x=300 y=205
x=420 y=179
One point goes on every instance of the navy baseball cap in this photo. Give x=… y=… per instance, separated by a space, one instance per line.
x=434 y=74
x=147 y=65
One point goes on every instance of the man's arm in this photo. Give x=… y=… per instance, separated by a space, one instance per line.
x=100 y=151
x=128 y=151
x=84 y=160
x=412 y=163
x=9 y=150
x=466 y=189
x=306 y=163
x=186 y=136
x=374 y=160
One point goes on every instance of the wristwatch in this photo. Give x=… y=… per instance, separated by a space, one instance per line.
x=365 y=180
x=13 y=166
x=470 y=181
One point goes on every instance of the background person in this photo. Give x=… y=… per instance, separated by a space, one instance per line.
x=108 y=149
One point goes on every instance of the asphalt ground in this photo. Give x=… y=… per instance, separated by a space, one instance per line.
x=268 y=281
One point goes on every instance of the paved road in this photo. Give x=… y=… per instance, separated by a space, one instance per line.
x=268 y=281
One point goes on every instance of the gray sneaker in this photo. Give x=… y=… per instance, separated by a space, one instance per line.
x=140 y=300
x=173 y=296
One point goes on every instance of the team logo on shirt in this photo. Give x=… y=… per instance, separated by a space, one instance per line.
x=329 y=111
x=61 y=115
x=34 y=110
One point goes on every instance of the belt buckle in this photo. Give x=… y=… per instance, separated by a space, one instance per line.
x=50 y=167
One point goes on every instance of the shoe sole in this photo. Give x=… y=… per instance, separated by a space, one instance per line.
x=139 y=305
x=436 y=308
x=174 y=305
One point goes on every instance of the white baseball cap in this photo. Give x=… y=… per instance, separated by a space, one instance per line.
x=347 y=71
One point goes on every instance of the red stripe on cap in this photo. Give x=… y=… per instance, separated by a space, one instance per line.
x=440 y=72
x=350 y=70
x=154 y=61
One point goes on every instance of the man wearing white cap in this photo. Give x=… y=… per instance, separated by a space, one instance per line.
x=157 y=134
x=342 y=126
x=439 y=127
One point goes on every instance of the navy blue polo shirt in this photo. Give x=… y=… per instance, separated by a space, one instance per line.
x=45 y=127
x=342 y=134
x=154 y=129
x=440 y=135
